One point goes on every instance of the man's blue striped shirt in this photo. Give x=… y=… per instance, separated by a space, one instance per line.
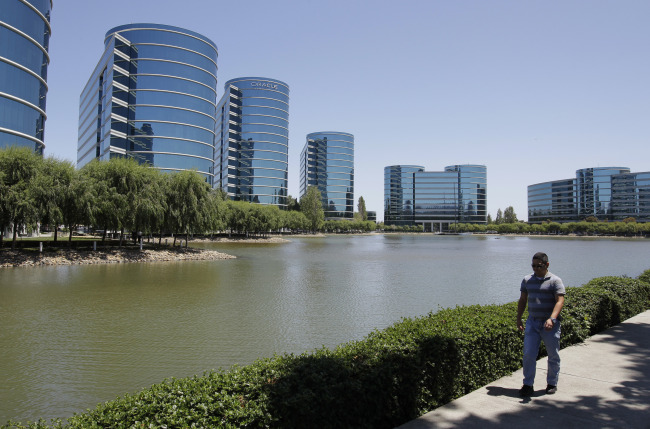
x=542 y=293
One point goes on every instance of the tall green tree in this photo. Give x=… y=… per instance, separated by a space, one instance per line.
x=297 y=221
x=509 y=215
x=109 y=198
x=215 y=211
x=361 y=206
x=292 y=204
x=237 y=217
x=20 y=167
x=51 y=191
x=148 y=202
x=189 y=199
x=312 y=207
x=78 y=202
x=499 y=218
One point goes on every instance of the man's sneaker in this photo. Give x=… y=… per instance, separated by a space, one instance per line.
x=526 y=390
x=550 y=389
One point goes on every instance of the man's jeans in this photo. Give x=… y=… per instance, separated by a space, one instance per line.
x=534 y=334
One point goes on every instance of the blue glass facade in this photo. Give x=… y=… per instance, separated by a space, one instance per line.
x=595 y=191
x=327 y=162
x=631 y=196
x=435 y=199
x=24 y=44
x=552 y=201
x=152 y=97
x=607 y=193
x=399 y=194
x=252 y=141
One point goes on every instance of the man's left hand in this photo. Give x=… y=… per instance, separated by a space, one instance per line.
x=548 y=325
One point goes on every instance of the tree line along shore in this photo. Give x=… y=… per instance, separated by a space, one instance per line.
x=121 y=195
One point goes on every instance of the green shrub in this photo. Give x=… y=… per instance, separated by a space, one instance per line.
x=390 y=377
x=645 y=276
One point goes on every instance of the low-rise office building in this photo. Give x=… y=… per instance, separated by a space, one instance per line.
x=606 y=193
x=435 y=199
x=631 y=196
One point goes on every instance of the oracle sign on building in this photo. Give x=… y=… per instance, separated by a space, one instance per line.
x=264 y=85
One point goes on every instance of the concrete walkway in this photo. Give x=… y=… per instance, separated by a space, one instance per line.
x=604 y=383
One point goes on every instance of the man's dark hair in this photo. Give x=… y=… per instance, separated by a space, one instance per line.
x=541 y=256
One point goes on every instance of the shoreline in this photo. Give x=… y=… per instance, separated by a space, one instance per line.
x=16 y=258
x=11 y=258
x=271 y=239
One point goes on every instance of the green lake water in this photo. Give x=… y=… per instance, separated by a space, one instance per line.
x=74 y=336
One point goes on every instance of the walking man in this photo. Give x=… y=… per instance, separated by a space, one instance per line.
x=544 y=294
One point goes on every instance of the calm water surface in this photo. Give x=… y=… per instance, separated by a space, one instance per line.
x=71 y=337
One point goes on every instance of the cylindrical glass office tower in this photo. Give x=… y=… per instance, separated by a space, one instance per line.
x=155 y=91
x=252 y=149
x=594 y=186
x=327 y=162
x=24 y=43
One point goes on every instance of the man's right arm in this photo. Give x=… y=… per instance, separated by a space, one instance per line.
x=521 y=306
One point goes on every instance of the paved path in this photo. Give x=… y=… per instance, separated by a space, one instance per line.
x=604 y=383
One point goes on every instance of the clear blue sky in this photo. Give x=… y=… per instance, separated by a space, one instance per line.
x=533 y=89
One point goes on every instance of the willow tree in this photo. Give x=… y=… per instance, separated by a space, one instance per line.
x=188 y=200
x=108 y=202
x=52 y=187
x=78 y=202
x=147 y=201
x=19 y=167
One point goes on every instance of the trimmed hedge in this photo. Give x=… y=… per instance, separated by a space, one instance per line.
x=388 y=378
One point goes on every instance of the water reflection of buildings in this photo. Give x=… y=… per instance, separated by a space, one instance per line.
x=606 y=193
x=435 y=199
x=327 y=162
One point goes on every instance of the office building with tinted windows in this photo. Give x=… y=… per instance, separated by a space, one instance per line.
x=594 y=189
x=24 y=44
x=399 y=194
x=606 y=193
x=631 y=196
x=152 y=97
x=435 y=199
x=327 y=162
x=555 y=201
x=252 y=141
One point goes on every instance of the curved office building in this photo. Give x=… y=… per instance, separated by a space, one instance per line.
x=327 y=162
x=24 y=43
x=554 y=201
x=399 y=194
x=594 y=186
x=152 y=97
x=252 y=149
x=606 y=193
x=631 y=196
